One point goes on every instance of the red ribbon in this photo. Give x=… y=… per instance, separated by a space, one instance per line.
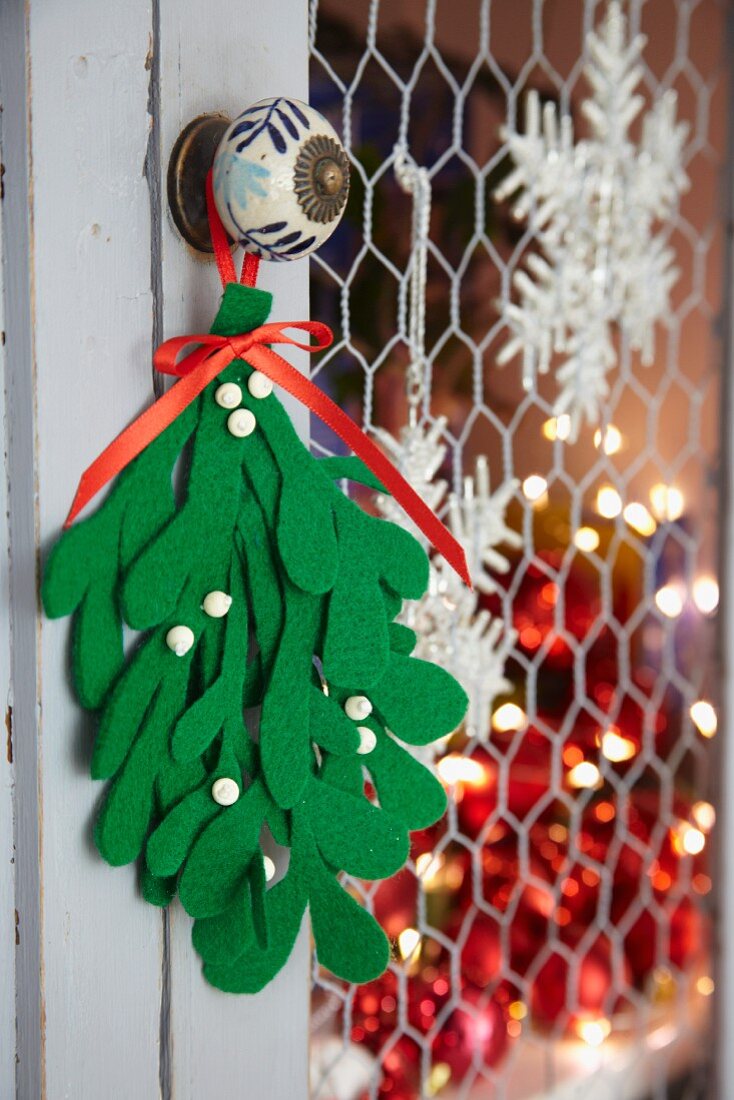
x=215 y=353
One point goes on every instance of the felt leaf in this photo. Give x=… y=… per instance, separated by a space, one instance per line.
x=354 y=835
x=407 y=790
x=285 y=744
x=259 y=555
x=343 y=772
x=176 y=780
x=222 y=939
x=81 y=576
x=393 y=602
x=329 y=726
x=156 y=579
x=349 y=942
x=418 y=701
x=306 y=535
x=148 y=486
x=209 y=653
x=71 y=565
x=351 y=468
x=356 y=643
x=241 y=309
x=259 y=551
x=305 y=532
x=221 y=855
x=124 y=819
x=201 y=722
x=97 y=649
x=405 y=560
x=125 y=709
x=402 y=638
x=171 y=842
x=285 y=904
x=157 y=891
x=236 y=735
x=279 y=825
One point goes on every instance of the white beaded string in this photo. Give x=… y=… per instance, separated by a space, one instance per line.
x=415 y=181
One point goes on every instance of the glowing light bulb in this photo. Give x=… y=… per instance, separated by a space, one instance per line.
x=617 y=748
x=408 y=942
x=438 y=1078
x=455 y=768
x=611 y=442
x=705 y=985
x=688 y=839
x=584 y=775
x=594 y=1032
x=706 y=594
x=669 y=600
x=509 y=717
x=557 y=427
x=704 y=815
x=704 y=718
x=427 y=868
x=534 y=487
x=586 y=539
x=667 y=502
x=518 y=1010
x=608 y=502
x=639 y=519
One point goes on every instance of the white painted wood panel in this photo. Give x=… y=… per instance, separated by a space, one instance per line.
x=92 y=302
x=239 y=1047
x=7 y=769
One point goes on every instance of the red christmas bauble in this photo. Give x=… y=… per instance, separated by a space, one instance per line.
x=481 y=955
x=586 y=987
x=395 y=903
x=474 y=1033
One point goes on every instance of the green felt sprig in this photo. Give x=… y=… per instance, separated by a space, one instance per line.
x=231 y=725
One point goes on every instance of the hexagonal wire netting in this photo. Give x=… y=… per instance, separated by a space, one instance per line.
x=554 y=929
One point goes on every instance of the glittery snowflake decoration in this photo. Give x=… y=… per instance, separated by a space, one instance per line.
x=597 y=208
x=452 y=630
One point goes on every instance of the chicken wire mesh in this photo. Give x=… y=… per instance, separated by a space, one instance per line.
x=552 y=933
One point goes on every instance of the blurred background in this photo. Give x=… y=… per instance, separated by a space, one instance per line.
x=554 y=932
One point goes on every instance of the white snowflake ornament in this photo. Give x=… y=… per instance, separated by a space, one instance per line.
x=452 y=631
x=418 y=454
x=595 y=207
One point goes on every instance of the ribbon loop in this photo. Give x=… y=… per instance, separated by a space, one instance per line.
x=212 y=355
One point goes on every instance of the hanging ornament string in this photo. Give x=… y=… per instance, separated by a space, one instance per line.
x=416 y=182
x=210 y=358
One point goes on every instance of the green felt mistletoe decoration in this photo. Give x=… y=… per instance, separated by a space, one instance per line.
x=288 y=682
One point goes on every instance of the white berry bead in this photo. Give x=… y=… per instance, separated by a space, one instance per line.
x=259 y=384
x=367 y=740
x=269 y=867
x=228 y=395
x=225 y=791
x=180 y=639
x=241 y=423
x=358 y=707
x=216 y=604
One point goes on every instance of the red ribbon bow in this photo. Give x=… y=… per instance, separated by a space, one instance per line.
x=215 y=353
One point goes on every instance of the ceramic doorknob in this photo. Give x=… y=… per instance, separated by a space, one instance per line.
x=281 y=179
